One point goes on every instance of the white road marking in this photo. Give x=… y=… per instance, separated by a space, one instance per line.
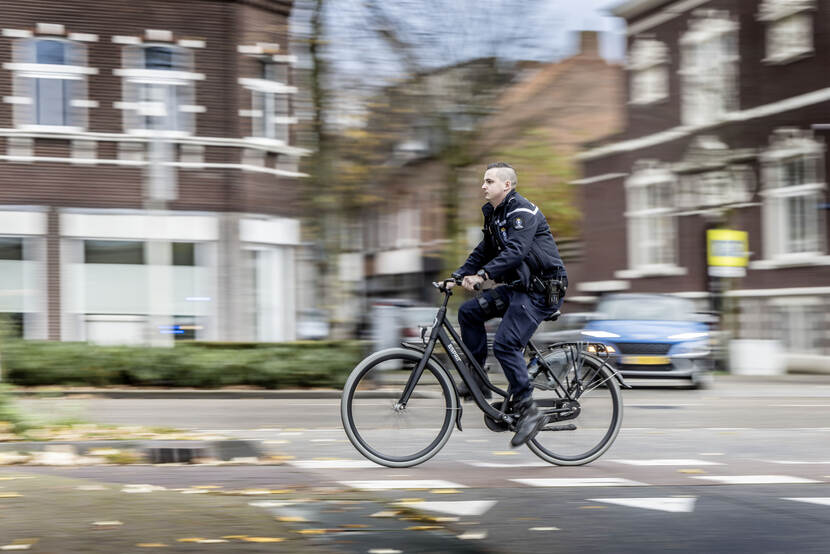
x=402 y=484
x=711 y=454
x=332 y=464
x=812 y=500
x=754 y=479
x=796 y=462
x=470 y=536
x=668 y=462
x=801 y=405
x=457 y=508
x=495 y=464
x=544 y=529
x=664 y=504
x=580 y=482
x=323 y=440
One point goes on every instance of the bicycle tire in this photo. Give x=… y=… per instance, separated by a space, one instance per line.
x=602 y=407
x=370 y=416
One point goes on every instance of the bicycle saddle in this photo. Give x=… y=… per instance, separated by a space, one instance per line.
x=554 y=316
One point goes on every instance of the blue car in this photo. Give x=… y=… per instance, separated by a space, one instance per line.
x=653 y=336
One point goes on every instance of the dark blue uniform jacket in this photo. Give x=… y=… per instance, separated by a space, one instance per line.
x=517 y=244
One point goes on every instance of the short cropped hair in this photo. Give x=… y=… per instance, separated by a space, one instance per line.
x=506 y=172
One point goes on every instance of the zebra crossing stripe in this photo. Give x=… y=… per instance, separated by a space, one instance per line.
x=581 y=482
x=668 y=462
x=754 y=479
x=402 y=484
x=332 y=464
x=667 y=504
x=823 y=501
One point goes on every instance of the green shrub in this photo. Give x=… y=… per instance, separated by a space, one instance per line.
x=200 y=365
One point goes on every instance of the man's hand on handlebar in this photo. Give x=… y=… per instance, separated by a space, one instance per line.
x=472 y=282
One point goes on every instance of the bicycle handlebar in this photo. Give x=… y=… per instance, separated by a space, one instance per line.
x=442 y=286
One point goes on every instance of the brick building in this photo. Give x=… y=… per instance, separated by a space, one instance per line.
x=148 y=182
x=726 y=117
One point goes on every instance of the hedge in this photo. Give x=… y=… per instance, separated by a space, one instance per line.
x=199 y=365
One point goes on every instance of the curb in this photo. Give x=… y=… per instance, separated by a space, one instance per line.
x=182 y=393
x=155 y=451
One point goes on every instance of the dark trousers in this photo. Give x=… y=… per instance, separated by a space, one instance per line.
x=521 y=314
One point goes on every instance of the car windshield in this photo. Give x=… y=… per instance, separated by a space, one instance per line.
x=655 y=308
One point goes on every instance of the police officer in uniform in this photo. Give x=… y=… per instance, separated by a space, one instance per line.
x=518 y=250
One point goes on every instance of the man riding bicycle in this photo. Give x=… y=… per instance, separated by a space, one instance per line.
x=518 y=250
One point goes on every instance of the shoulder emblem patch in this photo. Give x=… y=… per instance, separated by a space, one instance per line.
x=517 y=223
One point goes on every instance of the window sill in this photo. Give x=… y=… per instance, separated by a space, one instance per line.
x=787 y=262
x=651 y=271
x=57 y=129
x=790 y=58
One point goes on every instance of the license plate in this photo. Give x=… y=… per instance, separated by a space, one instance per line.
x=645 y=360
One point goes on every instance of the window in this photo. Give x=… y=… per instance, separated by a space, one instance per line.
x=184 y=253
x=651 y=223
x=11 y=248
x=158 y=89
x=709 y=68
x=50 y=83
x=793 y=193
x=270 y=111
x=274 y=107
x=648 y=71
x=789 y=29
x=113 y=252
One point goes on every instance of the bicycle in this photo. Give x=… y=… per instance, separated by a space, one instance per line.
x=396 y=425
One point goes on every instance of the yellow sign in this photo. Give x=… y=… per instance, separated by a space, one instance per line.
x=646 y=360
x=727 y=248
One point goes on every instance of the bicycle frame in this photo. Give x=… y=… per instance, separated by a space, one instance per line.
x=443 y=332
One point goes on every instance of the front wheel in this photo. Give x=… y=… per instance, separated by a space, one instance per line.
x=384 y=430
x=591 y=383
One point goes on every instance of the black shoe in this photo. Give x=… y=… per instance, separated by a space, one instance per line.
x=465 y=394
x=530 y=421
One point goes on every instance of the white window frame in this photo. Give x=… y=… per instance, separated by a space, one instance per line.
x=27 y=72
x=787 y=20
x=648 y=252
x=266 y=125
x=788 y=145
x=154 y=93
x=709 y=68
x=648 y=71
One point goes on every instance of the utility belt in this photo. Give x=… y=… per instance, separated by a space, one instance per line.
x=552 y=287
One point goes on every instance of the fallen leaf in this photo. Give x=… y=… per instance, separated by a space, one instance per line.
x=384 y=514
x=423 y=527
x=263 y=539
x=151 y=545
x=354 y=525
x=505 y=453
x=445 y=491
x=291 y=519
x=212 y=541
x=190 y=539
x=281 y=491
x=235 y=536
x=313 y=531
x=112 y=523
x=695 y=470
x=10 y=495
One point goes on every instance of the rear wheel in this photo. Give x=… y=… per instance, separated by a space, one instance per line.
x=577 y=432
x=384 y=430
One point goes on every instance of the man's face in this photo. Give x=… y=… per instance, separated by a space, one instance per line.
x=494 y=187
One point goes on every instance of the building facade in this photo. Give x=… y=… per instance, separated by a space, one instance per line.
x=148 y=182
x=726 y=112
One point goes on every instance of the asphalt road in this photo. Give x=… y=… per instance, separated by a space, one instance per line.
x=741 y=467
